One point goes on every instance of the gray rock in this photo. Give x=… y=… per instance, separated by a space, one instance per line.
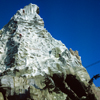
x=35 y=66
x=1 y=96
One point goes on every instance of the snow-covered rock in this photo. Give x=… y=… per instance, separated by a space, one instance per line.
x=32 y=61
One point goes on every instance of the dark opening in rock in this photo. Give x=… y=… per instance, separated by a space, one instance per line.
x=75 y=85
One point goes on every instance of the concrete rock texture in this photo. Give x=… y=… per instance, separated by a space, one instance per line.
x=35 y=66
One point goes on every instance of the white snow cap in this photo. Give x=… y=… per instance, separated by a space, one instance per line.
x=29 y=9
x=29 y=14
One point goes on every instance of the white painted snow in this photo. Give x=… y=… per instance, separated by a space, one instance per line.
x=26 y=40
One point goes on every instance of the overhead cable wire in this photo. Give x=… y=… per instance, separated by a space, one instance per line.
x=93 y=64
x=90 y=65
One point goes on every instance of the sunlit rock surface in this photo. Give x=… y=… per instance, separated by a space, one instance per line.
x=35 y=66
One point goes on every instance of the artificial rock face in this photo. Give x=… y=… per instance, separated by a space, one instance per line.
x=35 y=66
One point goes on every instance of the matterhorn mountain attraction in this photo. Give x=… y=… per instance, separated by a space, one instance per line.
x=35 y=66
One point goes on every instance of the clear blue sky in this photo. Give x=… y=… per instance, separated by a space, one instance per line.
x=75 y=22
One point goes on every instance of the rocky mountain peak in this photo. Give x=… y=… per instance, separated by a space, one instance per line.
x=34 y=64
x=28 y=14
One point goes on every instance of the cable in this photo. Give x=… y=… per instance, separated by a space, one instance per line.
x=90 y=65
x=93 y=64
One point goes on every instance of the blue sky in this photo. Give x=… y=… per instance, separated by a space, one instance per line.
x=75 y=22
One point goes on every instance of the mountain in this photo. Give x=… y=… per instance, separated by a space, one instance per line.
x=35 y=66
